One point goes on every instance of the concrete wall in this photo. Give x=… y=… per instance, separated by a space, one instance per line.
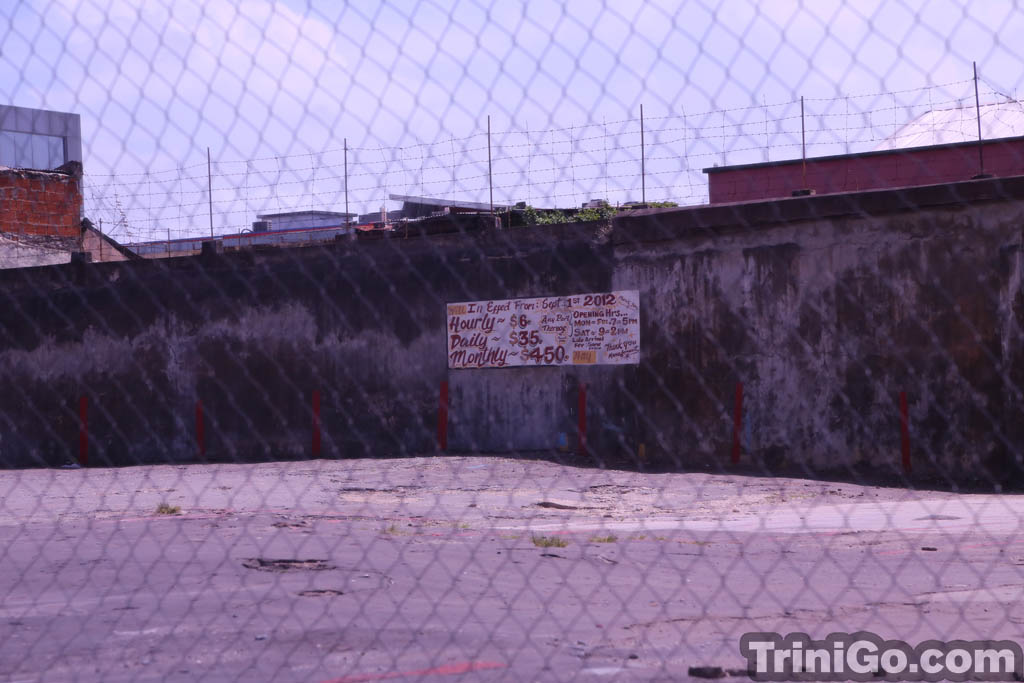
x=873 y=170
x=824 y=308
x=100 y=247
x=24 y=251
x=246 y=240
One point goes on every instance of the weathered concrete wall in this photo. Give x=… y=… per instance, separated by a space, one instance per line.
x=825 y=320
x=251 y=335
x=824 y=308
x=25 y=251
x=101 y=248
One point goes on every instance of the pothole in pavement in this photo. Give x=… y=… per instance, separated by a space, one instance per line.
x=610 y=488
x=342 y=580
x=715 y=672
x=291 y=524
x=268 y=565
x=552 y=505
x=357 y=581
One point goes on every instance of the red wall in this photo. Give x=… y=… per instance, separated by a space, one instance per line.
x=39 y=203
x=900 y=168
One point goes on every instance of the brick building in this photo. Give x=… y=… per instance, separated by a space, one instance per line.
x=41 y=191
x=40 y=215
x=938 y=147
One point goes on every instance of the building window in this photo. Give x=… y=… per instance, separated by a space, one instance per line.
x=31 y=150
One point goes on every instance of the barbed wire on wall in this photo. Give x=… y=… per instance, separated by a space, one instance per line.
x=548 y=168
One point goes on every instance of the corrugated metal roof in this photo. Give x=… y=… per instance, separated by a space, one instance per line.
x=305 y=214
x=441 y=202
x=945 y=126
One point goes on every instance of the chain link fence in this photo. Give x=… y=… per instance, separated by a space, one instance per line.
x=548 y=341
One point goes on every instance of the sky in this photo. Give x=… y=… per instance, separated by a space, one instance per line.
x=278 y=90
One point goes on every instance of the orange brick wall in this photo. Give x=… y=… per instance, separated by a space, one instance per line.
x=39 y=203
x=889 y=169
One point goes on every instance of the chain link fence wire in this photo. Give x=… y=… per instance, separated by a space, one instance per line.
x=507 y=341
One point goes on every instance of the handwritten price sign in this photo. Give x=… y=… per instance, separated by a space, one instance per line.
x=580 y=329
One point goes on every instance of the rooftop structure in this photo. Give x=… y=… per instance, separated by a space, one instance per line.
x=960 y=124
x=301 y=220
x=940 y=146
x=421 y=207
x=191 y=246
x=39 y=139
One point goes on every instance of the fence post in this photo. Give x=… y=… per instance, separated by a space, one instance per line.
x=977 y=112
x=643 y=160
x=209 y=187
x=490 y=179
x=346 y=179
x=803 y=147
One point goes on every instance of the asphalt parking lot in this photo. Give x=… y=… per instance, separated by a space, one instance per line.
x=475 y=568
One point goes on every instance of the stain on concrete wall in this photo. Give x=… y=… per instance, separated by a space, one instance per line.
x=25 y=251
x=825 y=322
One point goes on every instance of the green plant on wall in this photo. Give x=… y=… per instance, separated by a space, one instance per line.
x=532 y=216
x=599 y=214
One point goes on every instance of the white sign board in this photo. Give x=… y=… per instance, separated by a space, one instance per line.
x=580 y=329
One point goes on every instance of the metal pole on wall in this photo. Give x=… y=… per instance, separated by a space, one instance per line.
x=803 y=145
x=346 y=179
x=490 y=178
x=209 y=188
x=643 y=160
x=977 y=111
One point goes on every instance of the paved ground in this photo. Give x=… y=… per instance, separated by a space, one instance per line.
x=429 y=568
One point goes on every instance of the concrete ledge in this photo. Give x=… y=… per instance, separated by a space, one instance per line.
x=212 y=248
x=653 y=225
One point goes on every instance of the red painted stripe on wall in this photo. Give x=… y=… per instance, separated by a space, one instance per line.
x=905 y=432
x=442 y=418
x=316 y=423
x=200 y=431
x=581 y=427
x=737 y=424
x=83 y=430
